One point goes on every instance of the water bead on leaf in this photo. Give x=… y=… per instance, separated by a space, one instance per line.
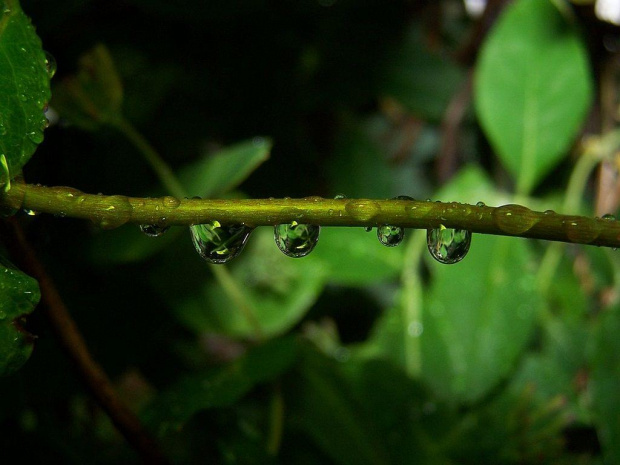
x=154 y=230
x=50 y=64
x=340 y=197
x=403 y=197
x=390 y=236
x=217 y=243
x=448 y=245
x=296 y=240
x=609 y=217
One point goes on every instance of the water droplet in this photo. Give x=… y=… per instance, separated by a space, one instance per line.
x=23 y=97
x=154 y=230
x=549 y=212
x=362 y=210
x=581 y=230
x=340 y=196
x=296 y=240
x=50 y=64
x=448 y=245
x=6 y=9
x=403 y=197
x=390 y=236
x=609 y=217
x=480 y=204
x=217 y=243
x=171 y=202
x=368 y=228
x=29 y=212
x=514 y=219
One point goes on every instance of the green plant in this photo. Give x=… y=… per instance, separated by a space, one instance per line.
x=355 y=352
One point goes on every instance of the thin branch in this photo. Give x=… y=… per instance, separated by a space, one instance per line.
x=73 y=344
x=506 y=220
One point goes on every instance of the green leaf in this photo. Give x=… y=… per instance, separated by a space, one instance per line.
x=95 y=95
x=215 y=174
x=209 y=176
x=604 y=383
x=465 y=331
x=219 y=387
x=19 y=294
x=279 y=289
x=532 y=90
x=24 y=87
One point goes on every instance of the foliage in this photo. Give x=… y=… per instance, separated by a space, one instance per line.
x=357 y=353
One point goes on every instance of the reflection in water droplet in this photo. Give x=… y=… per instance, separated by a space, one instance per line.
x=390 y=236
x=340 y=196
x=154 y=230
x=296 y=240
x=217 y=243
x=514 y=219
x=50 y=64
x=609 y=217
x=448 y=245
x=480 y=204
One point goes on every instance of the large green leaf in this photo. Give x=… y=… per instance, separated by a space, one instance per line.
x=19 y=294
x=24 y=90
x=532 y=89
x=465 y=331
x=604 y=383
x=208 y=176
x=219 y=387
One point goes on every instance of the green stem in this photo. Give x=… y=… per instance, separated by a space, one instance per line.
x=508 y=220
x=161 y=168
x=411 y=303
x=276 y=423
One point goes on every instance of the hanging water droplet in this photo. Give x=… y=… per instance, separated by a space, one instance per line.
x=296 y=240
x=340 y=196
x=389 y=235
x=480 y=204
x=448 y=245
x=217 y=243
x=154 y=230
x=609 y=217
x=50 y=64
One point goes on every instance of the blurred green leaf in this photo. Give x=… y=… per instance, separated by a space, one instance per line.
x=354 y=257
x=603 y=384
x=19 y=294
x=532 y=90
x=24 y=87
x=224 y=170
x=278 y=288
x=219 y=387
x=95 y=95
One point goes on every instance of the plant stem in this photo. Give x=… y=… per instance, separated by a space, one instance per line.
x=508 y=220
x=74 y=345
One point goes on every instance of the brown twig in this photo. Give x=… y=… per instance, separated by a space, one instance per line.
x=74 y=345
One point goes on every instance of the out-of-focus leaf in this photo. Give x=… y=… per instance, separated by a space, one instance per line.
x=604 y=383
x=422 y=81
x=95 y=95
x=219 y=387
x=24 y=87
x=532 y=89
x=465 y=331
x=19 y=294
x=207 y=177
x=278 y=288
x=353 y=257
x=215 y=174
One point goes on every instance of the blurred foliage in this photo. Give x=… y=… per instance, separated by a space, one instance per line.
x=365 y=354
